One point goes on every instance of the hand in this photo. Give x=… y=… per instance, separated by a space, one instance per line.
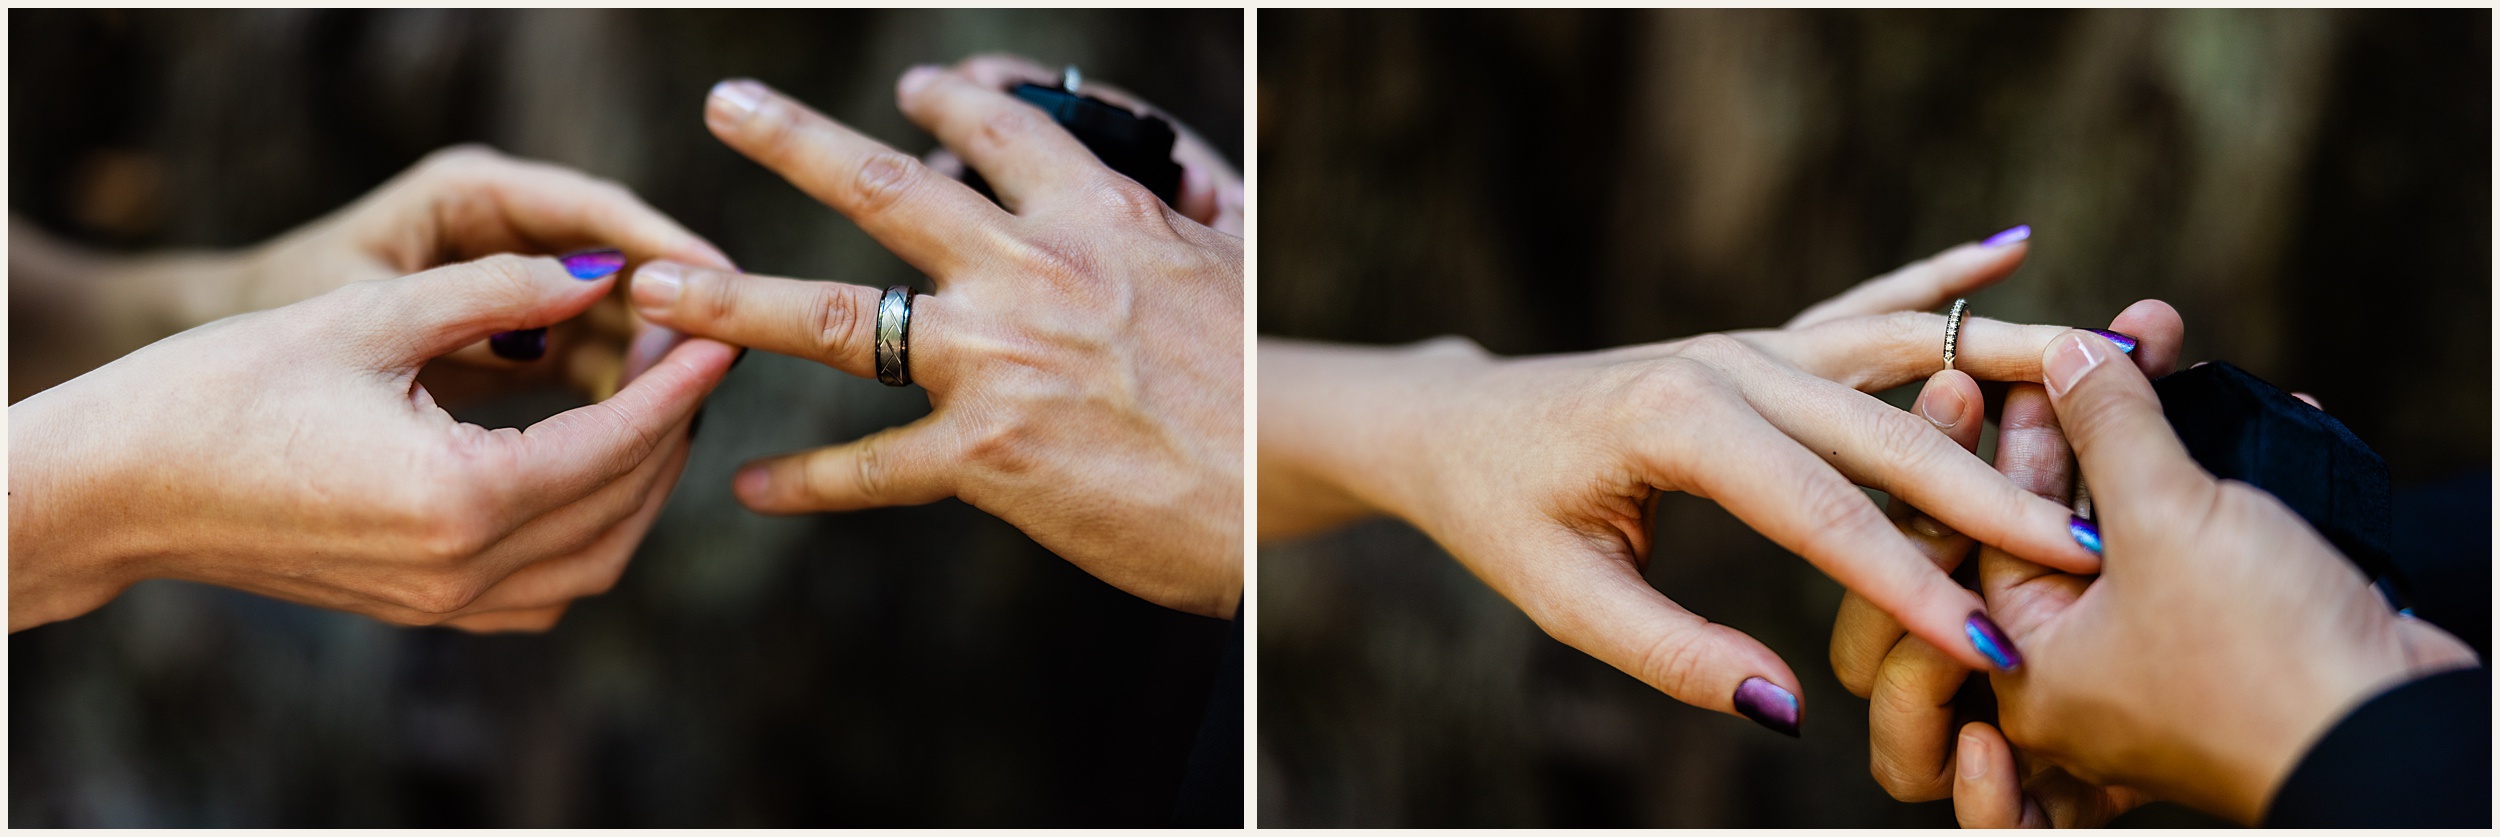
x=1082 y=349
x=468 y=202
x=1538 y=473
x=291 y=453
x=1911 y=687
x=459 y=203
x=2223 y=635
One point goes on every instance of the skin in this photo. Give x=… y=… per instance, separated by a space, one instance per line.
x=292 y=453
x=1910 y=686
x=2221 y=639
x=144 y=463
x=1081 y=349
x=1538 y=473
x=76 y=310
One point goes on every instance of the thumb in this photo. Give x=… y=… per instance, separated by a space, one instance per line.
x=2127 y=451
x=422 y=316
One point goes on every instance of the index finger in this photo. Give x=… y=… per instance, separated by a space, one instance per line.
x=933 y=222
x=557 y=209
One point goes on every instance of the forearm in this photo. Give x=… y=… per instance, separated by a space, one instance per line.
x=72 y=309
x=1342 y=428
x=64 y=551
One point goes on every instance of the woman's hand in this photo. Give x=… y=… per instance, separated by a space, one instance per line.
x=457 y=204
x=1082 y=347
x=1910 y=686
x=2222 y=637
x=1538 y=473
x=291 y=453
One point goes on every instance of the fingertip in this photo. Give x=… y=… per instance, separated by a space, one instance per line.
x=914 y=80
x=753 y=485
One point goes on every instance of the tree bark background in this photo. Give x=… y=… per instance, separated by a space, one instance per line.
x=925 y=665
x=2312 y=190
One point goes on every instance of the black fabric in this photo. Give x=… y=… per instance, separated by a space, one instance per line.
x=2443 y=555
x=2416 y=756
x=2243 y=428
x=1211 y=789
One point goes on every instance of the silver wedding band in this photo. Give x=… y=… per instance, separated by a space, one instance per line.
x=894 y=337
x=1953 y=329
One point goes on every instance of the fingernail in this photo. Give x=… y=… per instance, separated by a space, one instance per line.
x=1970 y=758
x=1991 y=642
x=750 y=483
x=657 y=285
x=525 y=345
x=2010 y=235
x=592 y=264
x=741 y=95
x=2125 y=344
x=2069 y=361
x=1942 y=406
x=1768 y=705
x=918 y=77
x=2084 y=533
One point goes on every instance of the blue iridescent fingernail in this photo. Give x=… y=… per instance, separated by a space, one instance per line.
x=1990 y=641
x=2084 y=532
x=2125 y=344
x=1768 y=704
x=2010 y=235
x=592 y=264
x=525 y=345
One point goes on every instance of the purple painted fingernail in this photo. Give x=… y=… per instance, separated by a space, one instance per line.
x=2125 y=344
x=1768 y=705
x=592 y=264
x=2013 y=234
x=525 y=345
x=2084 y=533
x=1991 y=642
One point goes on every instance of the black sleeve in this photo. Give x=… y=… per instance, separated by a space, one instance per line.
x=2416 y=756
x=1211 y=786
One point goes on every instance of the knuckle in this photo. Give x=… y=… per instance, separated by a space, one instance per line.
x=840 y=326
x=1838 y=516
x=441 y=596
x=1713 y=346
x=883 y=178
x=1672 y=386
x=1670 y=661
x=1902 y=443
x=872 y=471
x=1009 y=126
x=1128 y=203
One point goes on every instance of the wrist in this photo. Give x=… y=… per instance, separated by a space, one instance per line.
x=1343 y=429
x=2311 y=706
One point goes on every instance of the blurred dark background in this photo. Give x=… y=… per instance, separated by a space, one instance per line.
x=2312 y=190
x=913 y=666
